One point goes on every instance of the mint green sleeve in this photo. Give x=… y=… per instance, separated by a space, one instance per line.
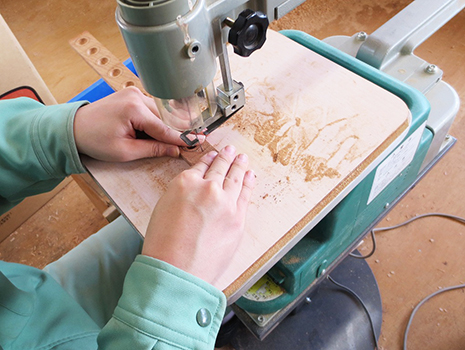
x=37 y=148
x=160 y=309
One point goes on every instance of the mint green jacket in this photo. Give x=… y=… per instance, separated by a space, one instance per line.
x=160 y=304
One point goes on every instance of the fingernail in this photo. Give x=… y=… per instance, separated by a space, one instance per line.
x=230 y=149
x=212 y=154
x=242 y=158
x=173 y=152
x=193 y=137
x=251 y=174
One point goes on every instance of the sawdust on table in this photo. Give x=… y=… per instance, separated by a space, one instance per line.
x=288 y=140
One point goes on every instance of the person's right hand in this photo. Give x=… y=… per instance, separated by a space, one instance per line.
x=198 y=223
x=106 y=129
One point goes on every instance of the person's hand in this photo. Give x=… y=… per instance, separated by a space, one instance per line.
x=106 y=129
x=198 y=223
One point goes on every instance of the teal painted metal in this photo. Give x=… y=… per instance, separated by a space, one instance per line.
x=330 y=238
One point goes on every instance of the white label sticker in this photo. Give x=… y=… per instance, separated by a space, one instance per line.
x=395 y=163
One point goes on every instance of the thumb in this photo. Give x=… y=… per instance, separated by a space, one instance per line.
x=139 y=148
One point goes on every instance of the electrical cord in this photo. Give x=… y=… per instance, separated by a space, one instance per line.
x=407 y=329
x=373 y=249
x=350 y=291
x=373 y=231
x=380 y=229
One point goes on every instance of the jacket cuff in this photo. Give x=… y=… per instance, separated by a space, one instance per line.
x=45 y=138
x=170 y=305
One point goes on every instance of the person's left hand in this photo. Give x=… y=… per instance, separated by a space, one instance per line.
x=199 y=221
x=106 y=129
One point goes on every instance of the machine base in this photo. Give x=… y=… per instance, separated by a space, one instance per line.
x=333 y=319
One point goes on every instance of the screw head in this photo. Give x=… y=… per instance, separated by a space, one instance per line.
x=362 y=36
x=260 y=318
x=386 y=205
x=322 y=268
x=308 y=300
x=431 y=69
x=193 y=48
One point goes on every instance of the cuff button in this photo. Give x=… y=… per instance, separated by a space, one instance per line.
x=204 y=318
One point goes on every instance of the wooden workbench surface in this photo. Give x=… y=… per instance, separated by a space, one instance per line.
x=309 y=133
x=409 y=264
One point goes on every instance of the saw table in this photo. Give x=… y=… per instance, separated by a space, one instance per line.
x=416 y=273
x=312 y=129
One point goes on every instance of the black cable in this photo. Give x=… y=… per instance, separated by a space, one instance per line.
x=372 y=249
x=380 y=229
x=350 y=291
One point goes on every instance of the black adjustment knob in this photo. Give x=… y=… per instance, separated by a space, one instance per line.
x=248 y=33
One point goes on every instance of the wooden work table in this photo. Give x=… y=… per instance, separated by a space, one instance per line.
x=310 y=134
x=409 y=264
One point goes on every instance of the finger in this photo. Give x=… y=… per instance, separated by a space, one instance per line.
x=246 y=192
x=147 y=99
x=204 y=163
x=221 y=164
x=156 y=129
x=235 y=176
x=157 y=132
x=137 y=149
x=150 y=103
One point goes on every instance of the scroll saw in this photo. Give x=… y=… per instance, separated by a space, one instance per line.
x=174 y=46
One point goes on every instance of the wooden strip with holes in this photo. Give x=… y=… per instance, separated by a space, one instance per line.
x=107 y=65
x=118 y=76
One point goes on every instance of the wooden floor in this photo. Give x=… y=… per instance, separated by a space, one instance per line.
x=410 y=263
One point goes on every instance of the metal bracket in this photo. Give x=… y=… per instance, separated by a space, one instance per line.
x=390 y=49
x=407 y=30
x=229 y=102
